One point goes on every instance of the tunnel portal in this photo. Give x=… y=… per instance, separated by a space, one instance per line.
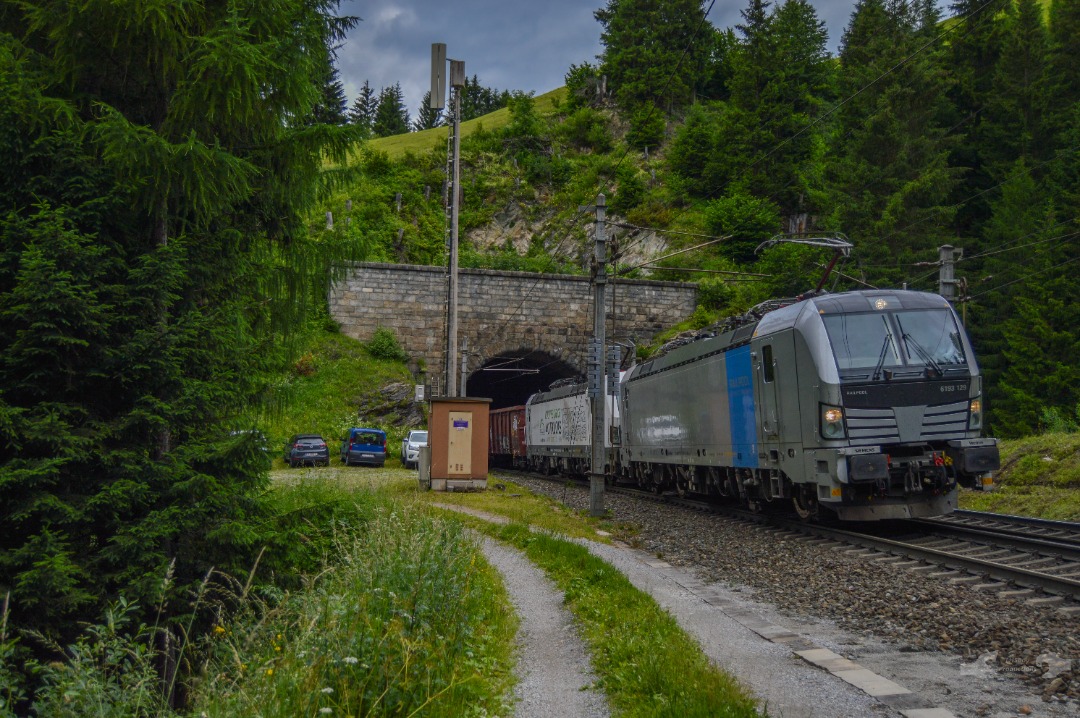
x=510 y=378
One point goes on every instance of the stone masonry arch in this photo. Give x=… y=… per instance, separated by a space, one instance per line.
x=499 y=312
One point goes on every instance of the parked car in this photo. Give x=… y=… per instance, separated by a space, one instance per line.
x=307 y=449
x=364 y=446
x=410 y=448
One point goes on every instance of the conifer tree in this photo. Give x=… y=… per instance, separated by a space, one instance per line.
x=1015 y=107
x=889 y=171
x=779 y=82
x=426 y=117
x=152 y=204
x=332 y=109
x=974 y=51
x=653 y=52
x=362 y=112
x=1063 y=60
x=391 y=117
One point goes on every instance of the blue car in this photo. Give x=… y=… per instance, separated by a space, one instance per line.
x=364 y=446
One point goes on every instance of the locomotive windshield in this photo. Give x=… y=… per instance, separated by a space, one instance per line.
x=871 y=343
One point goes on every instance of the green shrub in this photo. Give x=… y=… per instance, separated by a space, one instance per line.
x=384 y=345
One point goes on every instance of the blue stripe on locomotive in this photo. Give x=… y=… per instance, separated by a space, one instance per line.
x=740 y=393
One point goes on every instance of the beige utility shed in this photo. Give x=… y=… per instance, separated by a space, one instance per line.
x=458 y=437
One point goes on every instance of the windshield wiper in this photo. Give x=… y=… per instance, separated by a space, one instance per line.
x=881 y=357
x=924 y=354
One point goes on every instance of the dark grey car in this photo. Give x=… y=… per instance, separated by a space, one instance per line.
x=307 y=449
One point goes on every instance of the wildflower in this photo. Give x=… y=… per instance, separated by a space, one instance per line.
x=218 y=630
x=351 y=660
x=326 y=711
x=328 y=690
x=277 y=648
x=269 y=671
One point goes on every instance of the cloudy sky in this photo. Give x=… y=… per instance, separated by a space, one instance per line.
x=508 y=44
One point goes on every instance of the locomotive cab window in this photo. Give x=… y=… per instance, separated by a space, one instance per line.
x=767 y=363
x=874 y=342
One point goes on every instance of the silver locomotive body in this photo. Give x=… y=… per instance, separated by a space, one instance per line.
x=559 y=430
x=865 y=403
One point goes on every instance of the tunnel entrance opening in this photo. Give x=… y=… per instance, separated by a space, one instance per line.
x=510 y=378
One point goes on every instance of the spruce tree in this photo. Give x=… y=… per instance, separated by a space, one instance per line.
x=426 y=117
x=1013 y=126
x=889 y=171
x=780 y=80
x=1063 y=60
x=153 y=205
x=974 y=53
x=391 y=117
x=362 y=112
x=653 y=52
x=333 y=107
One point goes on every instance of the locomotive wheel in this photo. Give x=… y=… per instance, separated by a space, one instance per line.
x=806 y=506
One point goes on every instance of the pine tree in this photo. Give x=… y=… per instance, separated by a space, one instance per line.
x=362 y=112
x=152 y=203
x=391 y=117
x=653 y=52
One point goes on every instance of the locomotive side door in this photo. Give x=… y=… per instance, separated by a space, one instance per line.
x=766 y=375
x=777 y=383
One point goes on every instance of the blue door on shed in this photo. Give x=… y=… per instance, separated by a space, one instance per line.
x=740 y=391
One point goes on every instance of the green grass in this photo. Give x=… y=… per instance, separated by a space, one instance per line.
x=519 y=505
x=408 y=619
x=323 y=392
x=646 y=664
x=1040 y=476
x=420 y=142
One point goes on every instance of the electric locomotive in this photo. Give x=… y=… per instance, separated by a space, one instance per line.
x=865 y=404
x=559 y=429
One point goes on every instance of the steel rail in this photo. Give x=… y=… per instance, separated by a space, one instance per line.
x=1057 y=585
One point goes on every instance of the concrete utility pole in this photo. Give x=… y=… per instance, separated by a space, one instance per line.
x=947 y=254
x=453 y=195
x=596 y=364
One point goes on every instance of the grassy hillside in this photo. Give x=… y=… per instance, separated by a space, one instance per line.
x=337 y=384
x=1040 y=476
x=426 y=140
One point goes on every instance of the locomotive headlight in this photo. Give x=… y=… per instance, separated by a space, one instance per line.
x=975 y=414
x=832 y=422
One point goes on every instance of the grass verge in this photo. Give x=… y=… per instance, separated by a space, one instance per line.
x=646 y=664
x=408 y=621
x=1040 y=476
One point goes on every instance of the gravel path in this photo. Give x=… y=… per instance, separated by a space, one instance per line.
x=973 y=652
x=554 y=677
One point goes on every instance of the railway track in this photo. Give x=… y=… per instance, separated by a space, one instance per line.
x=1024 y=558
